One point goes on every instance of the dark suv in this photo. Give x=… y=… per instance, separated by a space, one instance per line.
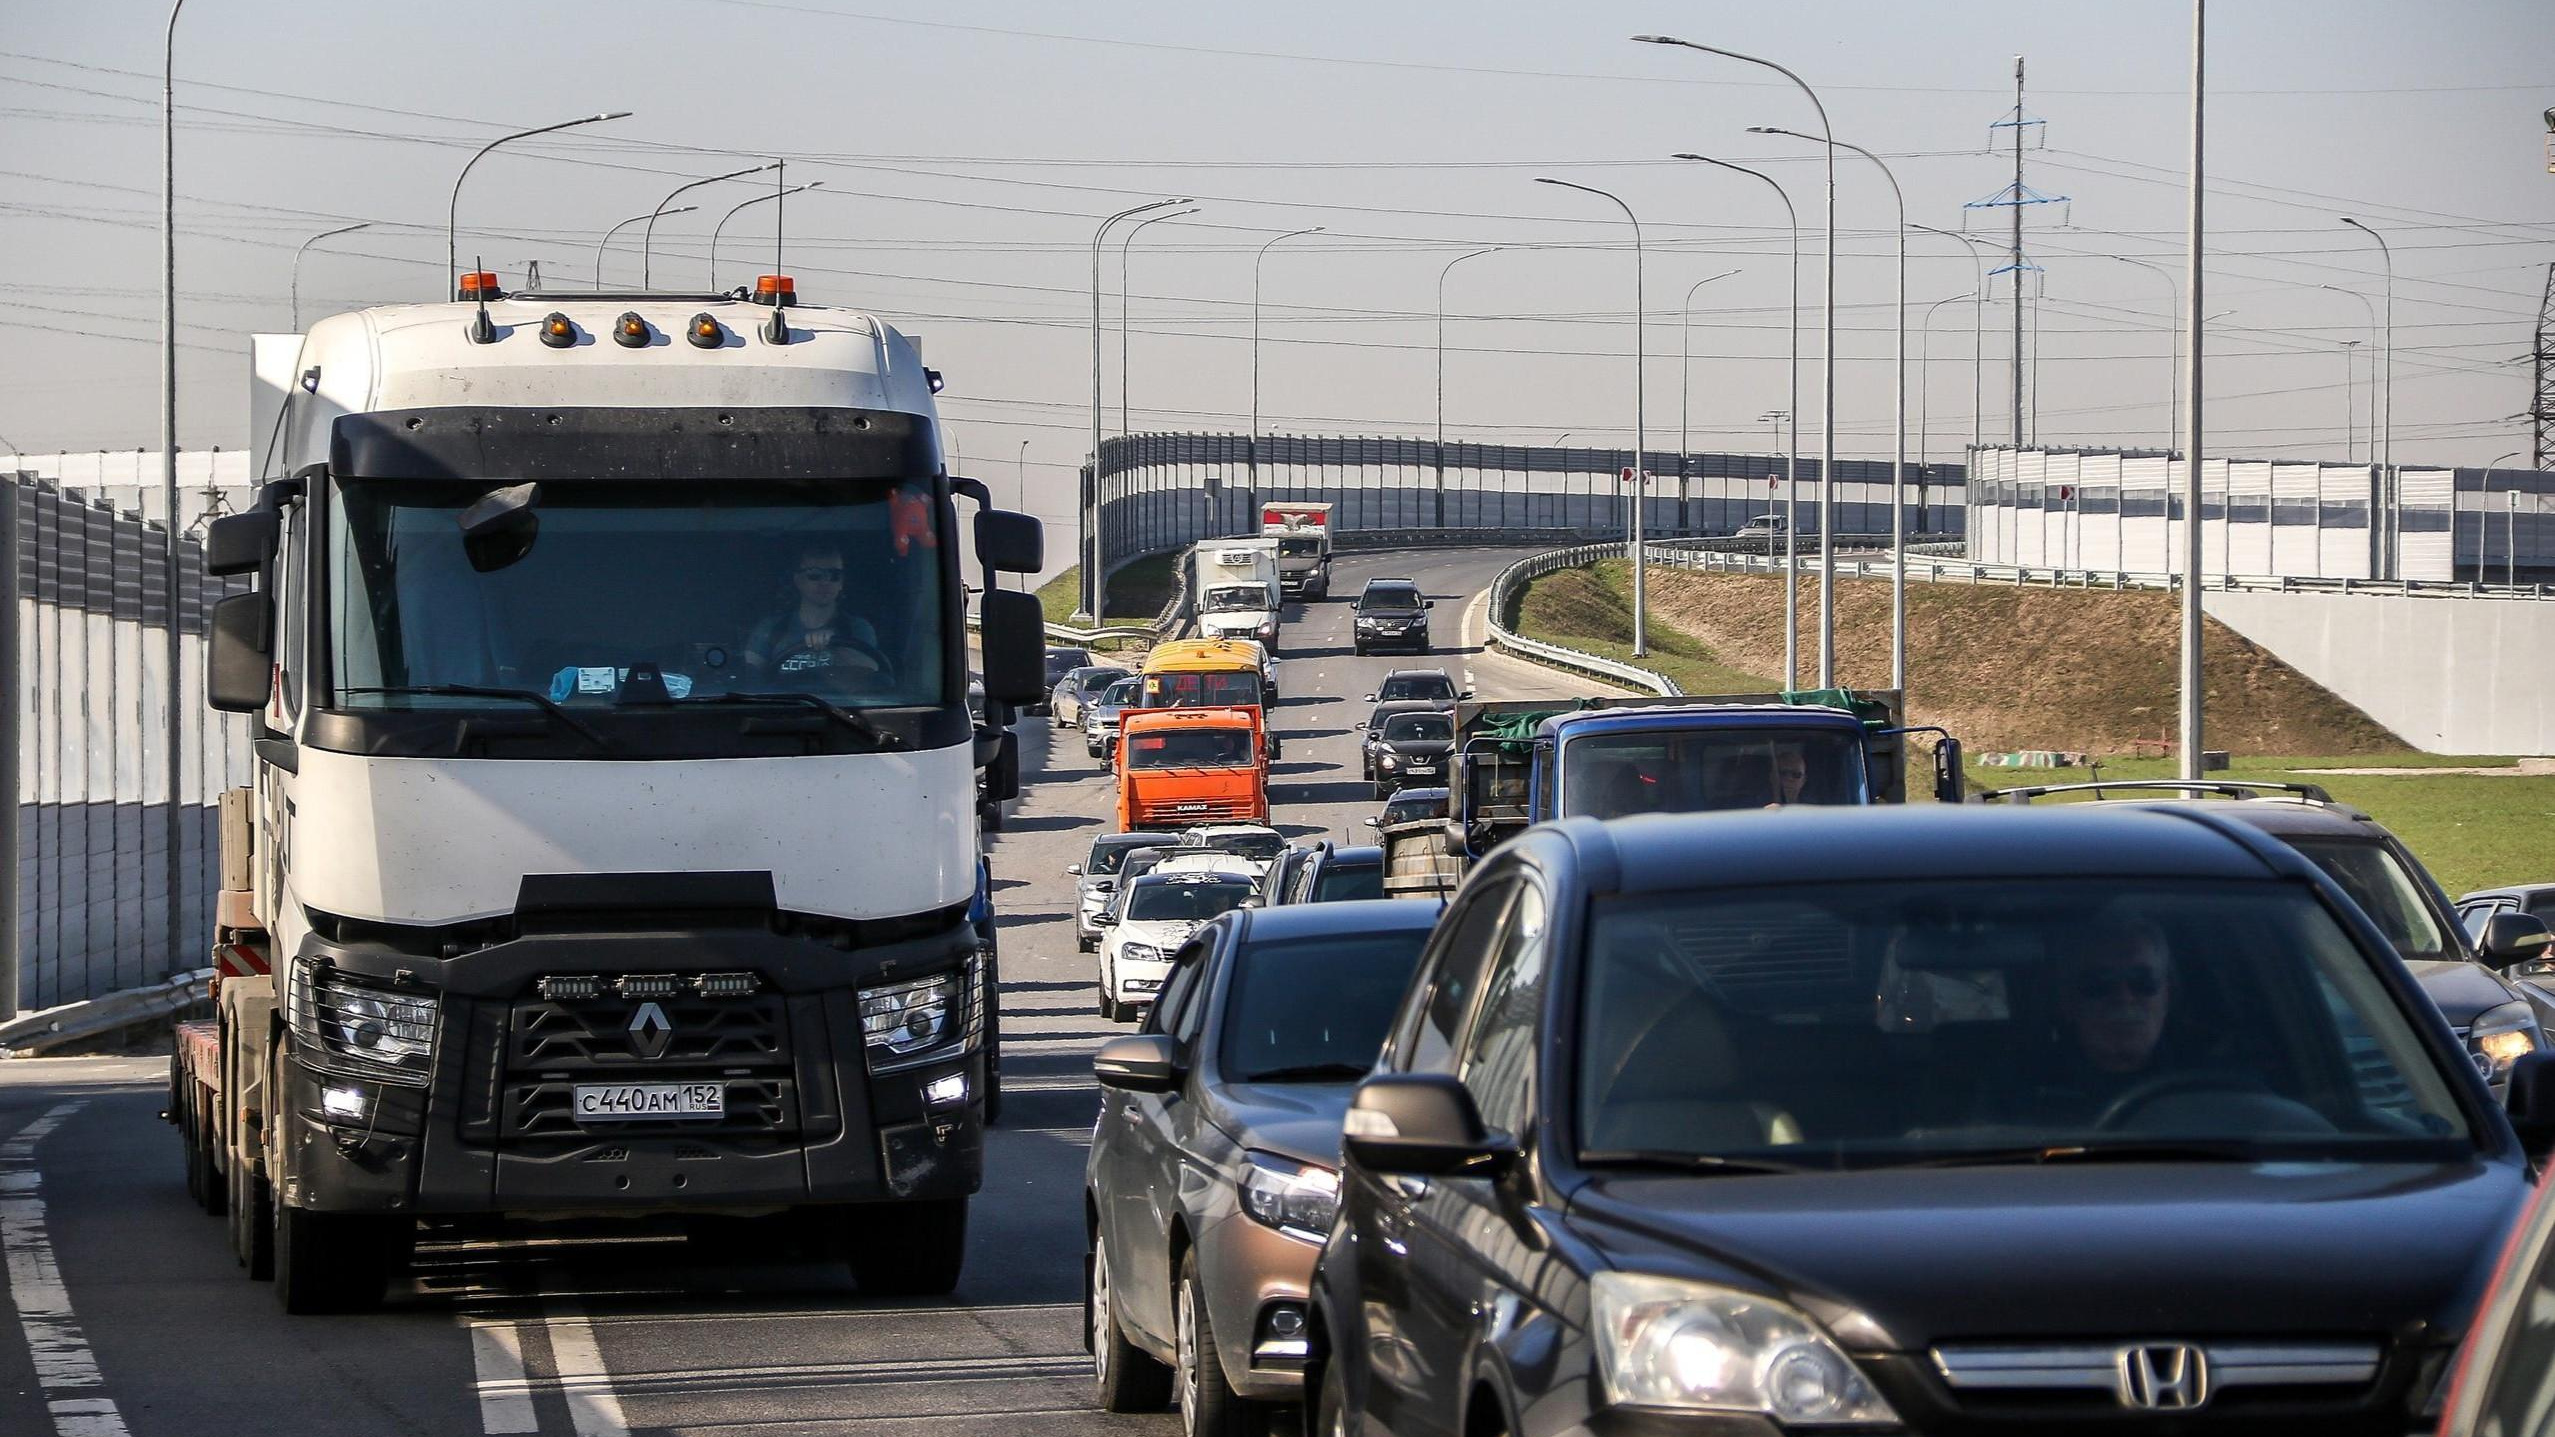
x=1405 y=743
x=1391 y=614
x=1935 y=1119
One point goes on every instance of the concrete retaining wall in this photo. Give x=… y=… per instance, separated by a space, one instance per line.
x=2447 y=675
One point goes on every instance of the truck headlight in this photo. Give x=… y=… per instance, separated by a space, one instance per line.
x=904 y=1023
x=360 y=1030
x=2502 y=1036
x=1139 y=953
x=1297 y=1199
x=1693 y=1347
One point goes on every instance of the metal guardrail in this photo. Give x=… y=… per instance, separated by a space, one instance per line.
x=94 y=1017
x=1716 y=555
x=1511 y=583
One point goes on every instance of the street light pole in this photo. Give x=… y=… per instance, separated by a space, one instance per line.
x=2350 y=402
x=1685 y=383
x=1086 y=506
x=717 y=229
x=1827 y=364
x=1020 y=477
x=297 y=264
x=1925 y=381
x=2386 y=414
x=2173 y=345
x=618 y=228
x=647 y=245
x=1256 y=259
x=2511 y=534
x=1638 y=551
x=1123 y=340
x=173 y=733
x=452 y=213
x=1977 y=333
x=2370 y=311
x=2192 y=692
x=1792 y=428
x=1447 y=269
x=1898 y=388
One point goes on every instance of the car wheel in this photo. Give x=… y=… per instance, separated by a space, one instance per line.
x=1128 y=1377
x=1330 y=1403
x=1209 y=1407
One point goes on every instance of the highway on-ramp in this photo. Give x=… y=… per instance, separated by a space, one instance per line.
x=133 y=1318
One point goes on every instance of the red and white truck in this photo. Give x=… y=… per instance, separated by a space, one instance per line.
x=1303 y=532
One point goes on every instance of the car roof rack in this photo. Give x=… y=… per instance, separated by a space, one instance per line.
x=2222 y=787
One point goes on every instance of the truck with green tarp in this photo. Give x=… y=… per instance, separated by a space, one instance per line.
x=1523 y=761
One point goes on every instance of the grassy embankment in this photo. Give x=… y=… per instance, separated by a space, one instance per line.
x=2092 y=672
x=1136 y=593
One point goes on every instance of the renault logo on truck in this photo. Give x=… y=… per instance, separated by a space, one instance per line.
x=650 y=1031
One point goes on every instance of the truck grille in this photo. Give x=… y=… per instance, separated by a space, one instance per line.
x=594 y=1035
x=550 y=1045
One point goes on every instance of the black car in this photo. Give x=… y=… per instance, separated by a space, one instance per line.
x=1928 y=1119
x=1337 y=872
x=1406 y=743
x=1213 y=1167
x=1060 y=662
x=1432 y=685
x=1411 y=805
x=1391 y=614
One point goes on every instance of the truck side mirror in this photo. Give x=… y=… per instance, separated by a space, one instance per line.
x=1950 y=783
x=1015 y=646
x=241 y=543
x=1002 y=776
x=498 y=529
x=1010 y=543
x=240 y=669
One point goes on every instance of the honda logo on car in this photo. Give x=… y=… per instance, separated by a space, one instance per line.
x=2163 y=1378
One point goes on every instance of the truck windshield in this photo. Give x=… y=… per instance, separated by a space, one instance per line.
x=1874 y=1023
x=1194 y=748
x=1235 y=598
x=1300 y=547
x=1610 y=775
x=737 y=587
x=1202 y=690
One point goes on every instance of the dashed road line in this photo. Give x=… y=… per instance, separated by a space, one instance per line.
x=577 y=1365
x=65 y=1368
x=505 y=1395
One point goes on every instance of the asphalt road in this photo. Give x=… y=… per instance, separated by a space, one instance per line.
x=133 y=1318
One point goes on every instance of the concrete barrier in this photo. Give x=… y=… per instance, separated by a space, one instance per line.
x=2472 y=676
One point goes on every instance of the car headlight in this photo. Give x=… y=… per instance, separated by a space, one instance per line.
x=1298 y=1199
x=1390 y=761
x=360 y=1030
x=903 y=1023
x=1269 y=629
x=1694 y=1347
x=2502 y=1036
x=1139 y=953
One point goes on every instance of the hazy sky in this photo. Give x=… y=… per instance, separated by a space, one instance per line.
x=966 y=153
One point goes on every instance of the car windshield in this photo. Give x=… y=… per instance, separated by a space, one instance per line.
x=1419 y=728
x=742 y=586
x=1612 y=775
x=2370 y=873
x=1877 y=1023
x=1345 y=880
x=1109 y=854
x=1184 y=902
x=1095 y=680
x=1404 y=808
x=1314 y=1009
x=1190 y=748
x=1258 y=847
x=1202 y=690
x=1119 y=694
x=1416 y=686
x=1397 y=601
x=1235 y=599
x=1061 y=660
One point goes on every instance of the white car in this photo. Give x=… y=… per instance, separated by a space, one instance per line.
x=1147 y=923
x=1098 y=879
x=1210 y=860
x=1255 y=841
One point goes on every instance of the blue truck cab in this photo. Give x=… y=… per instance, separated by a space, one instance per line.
x=1522 y=762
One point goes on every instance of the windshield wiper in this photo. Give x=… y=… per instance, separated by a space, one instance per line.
x=2199 y=1151
x=1333 y=1072
x=1688 y=1162
x=540 y=701
x=834 y=711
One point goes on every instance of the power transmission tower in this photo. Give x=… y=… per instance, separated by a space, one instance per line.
x=2541 y=413
x=2012 y=198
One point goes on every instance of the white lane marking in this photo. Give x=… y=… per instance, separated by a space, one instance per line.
x=577 y=1366
x=60 y=1351
x=505 y=1396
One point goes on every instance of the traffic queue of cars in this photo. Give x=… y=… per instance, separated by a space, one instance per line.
x=2140 y=1115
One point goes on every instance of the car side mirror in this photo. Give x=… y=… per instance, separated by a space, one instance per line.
x=2509 y=939
x=1370 y=698
x=1464 y=694
x=1138 y=1063
x=1104 y=919
x=1421 y=1125
x=1073 y=870
x=2531 y=1102
x=1374 y=822
x=1428 y=603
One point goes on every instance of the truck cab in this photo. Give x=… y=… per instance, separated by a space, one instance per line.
x=1180 y=767
x=1236 y=584
x=590 y=634
x=1303 y=533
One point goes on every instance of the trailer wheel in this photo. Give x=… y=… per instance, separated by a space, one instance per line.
x=911 y=1249
x=252 y=1221
x=203 y=1175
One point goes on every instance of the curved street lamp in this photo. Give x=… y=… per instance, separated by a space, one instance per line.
x=1087 y=544
x=305 y=249
x=731 y=214
x=647 y=247
x=1636 y=550
x=625 y=224
x=452 y=213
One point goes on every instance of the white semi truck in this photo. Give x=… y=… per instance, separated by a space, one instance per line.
x=593 y=635
x=1235 y=588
